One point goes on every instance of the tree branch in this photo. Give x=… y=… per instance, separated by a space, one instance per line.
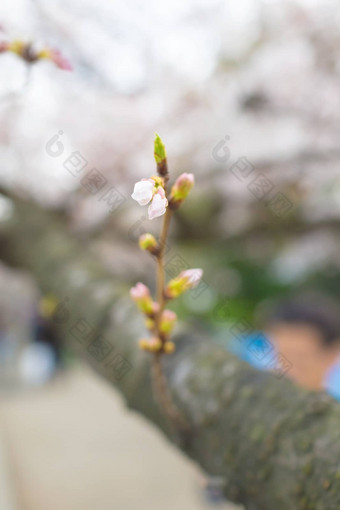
x=273 y=445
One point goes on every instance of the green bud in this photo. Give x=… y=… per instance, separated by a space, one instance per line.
x=168 y=321
x=148 y=243
x=159 y=150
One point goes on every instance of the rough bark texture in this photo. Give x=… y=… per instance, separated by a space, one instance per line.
x=274 y=446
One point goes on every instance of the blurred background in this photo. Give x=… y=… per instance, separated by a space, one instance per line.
x=246 y=96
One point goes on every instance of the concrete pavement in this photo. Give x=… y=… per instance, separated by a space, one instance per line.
x=73 y=446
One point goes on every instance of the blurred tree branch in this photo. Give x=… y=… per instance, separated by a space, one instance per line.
x=273 y=445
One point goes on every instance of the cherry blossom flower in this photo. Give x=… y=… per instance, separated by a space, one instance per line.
x=158 y=205
x=143 y=191
x=151 y=190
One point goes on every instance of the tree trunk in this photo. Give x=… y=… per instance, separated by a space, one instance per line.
x=273 y=445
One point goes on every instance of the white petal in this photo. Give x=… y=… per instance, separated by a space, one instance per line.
x=157 y=207
x=142 y=192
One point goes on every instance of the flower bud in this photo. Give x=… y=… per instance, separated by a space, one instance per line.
x=167 y=323
x=181 y=189
x=169 y=347
x=143 y=344
x=141 y=296
x=160 y=156
x=186 y=280
x=149 y=323
x=159 y=149
x=148 y=243
x=153 y=344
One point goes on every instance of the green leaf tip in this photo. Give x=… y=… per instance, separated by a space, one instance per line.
x=159 y=149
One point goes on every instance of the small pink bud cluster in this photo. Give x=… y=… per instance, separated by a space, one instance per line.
x=141 y=295
x=166 y=325
x=155 y=345
x=161 y=344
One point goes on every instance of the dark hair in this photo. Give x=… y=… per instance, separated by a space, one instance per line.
x=314 y=310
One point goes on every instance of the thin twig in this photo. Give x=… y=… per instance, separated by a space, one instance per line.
x=159 y=381
x=160 y=267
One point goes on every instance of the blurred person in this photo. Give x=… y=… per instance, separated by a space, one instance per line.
x=306 y=331
x=41 y=359
x=43 y=325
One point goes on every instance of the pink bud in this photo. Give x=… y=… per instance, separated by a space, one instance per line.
x=186 y=280
x=192 y=276
x=168 y=322
x=169 y=315
x=140 y=291
x=142 y=297
x=180 y=189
